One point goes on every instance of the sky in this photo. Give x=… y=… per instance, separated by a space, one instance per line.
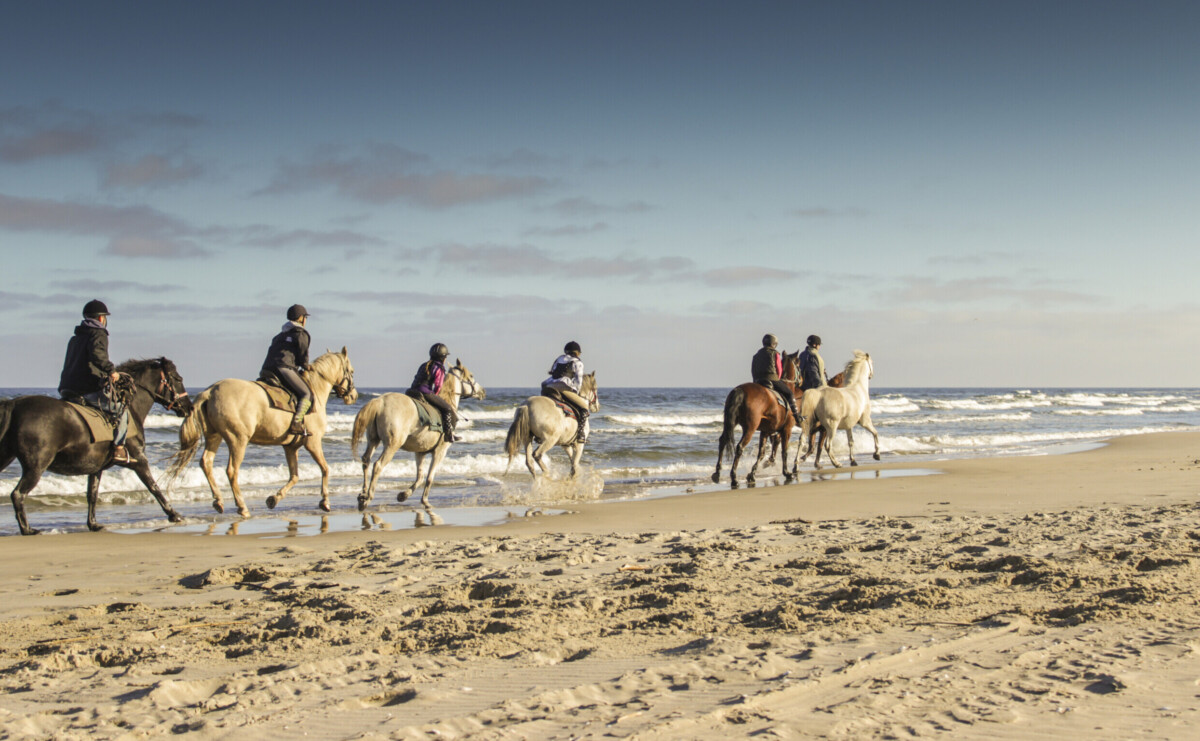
x=978 y=194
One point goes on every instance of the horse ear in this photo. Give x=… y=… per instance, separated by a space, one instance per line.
x=344 y=350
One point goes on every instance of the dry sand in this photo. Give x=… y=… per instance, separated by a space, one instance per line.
x=1013 y=598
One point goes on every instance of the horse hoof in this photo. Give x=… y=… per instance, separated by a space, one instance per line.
x=175 y=517
x=30 y=531
x=362 y=505
x=716 y=477
x=219 y=507
x=94 y=527
x=402 y=496
x=875 y=456
x=271 y=502
x=243 y=512
x=325 y=506
x=853 y=463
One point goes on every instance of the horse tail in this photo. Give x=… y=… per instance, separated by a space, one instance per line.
x=365 y=417
x=518 y=434
x=191 y=432
x=733 y=404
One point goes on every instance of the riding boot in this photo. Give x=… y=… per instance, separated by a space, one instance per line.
x=297 y=427
x=584 y=428
x=121 y=455
x=795 y=413
x=448 y=422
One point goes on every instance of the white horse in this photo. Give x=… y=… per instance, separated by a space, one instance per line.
x=240 y=414
x=839 y=409
x=391 y=419
x=540 y=420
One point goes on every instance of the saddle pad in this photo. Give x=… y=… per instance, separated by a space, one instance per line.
x=568 y=411
x=280 y=399
x=97 y=422
x=778 y=398
x=429 y=416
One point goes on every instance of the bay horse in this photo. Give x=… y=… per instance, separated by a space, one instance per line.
x=755 y=408
x=45 y=434
x=539 y=420
x=392 y=420
x=240 y=413
x=831 y=409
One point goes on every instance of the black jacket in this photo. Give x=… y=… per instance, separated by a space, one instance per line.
x=86 y=367
x=289 y=349
x=810 y=371
x=762 y=367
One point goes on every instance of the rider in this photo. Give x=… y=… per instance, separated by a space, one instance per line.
x=812 y=365
x=766 y=369
x=287 y=359
x=87 y=373
x=566 y=377
x=428 y=382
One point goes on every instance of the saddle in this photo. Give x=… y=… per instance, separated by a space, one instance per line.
x=100 y=425
x=568 y=411
x=281 y=398
x=430 y=417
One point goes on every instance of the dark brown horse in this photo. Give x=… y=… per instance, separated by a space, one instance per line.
x=45 y=434
x=755 y=408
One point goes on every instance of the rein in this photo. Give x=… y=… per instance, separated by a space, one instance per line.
x=164 y=383
x=462 y=379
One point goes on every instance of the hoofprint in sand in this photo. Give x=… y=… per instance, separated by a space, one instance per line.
x=1029 y=624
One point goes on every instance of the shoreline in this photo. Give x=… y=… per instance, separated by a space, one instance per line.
x=827 y=609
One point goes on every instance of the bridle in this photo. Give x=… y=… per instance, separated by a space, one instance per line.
x=343 y=387
x=162 y=398
x=593 y=398
x=457 y=373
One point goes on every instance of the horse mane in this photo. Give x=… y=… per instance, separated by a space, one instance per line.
x=854 y=367
x=137 y=365
x=326 y=359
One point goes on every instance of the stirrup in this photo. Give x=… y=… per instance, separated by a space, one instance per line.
x=297 y=428
x=121 y=455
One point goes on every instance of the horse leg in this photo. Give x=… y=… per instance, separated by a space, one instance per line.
x=747 y=437
x=874 y=433
x=762 y=447
x=142 y=468
x=830 y=432
x=237 y=453
x=722 y=443
x=368 y=491
x=93 y=495
x=541 y=451
x=785 y=437
x=576 y=452
x=438 y=454
x=292 y=455
x=29 y=479
x=313 y=445
x=211 y=444
x=413 y=487
x=385 y=457
x=850 y=443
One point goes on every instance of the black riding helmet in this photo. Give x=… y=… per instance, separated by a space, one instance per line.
x=769 y=340
x=813 y=340
x=571 y=347
x=439 y=352
x=295 y=311
x=94 y=308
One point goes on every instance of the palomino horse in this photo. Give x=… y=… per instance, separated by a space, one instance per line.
x=756 y=408
x=539 y=420
x=831 y=409
x=240 y=413
x=45 y=434
x=391 y=419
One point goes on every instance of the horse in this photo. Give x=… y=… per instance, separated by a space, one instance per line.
x=832 y=409
x=240 y=413
x=539 y=420
x=755 y=408
x=837 y=382
x=45 y=434
x=392 y=420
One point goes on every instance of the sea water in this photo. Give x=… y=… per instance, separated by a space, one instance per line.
x=644 y=442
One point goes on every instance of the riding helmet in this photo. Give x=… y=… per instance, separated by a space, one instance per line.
x=94 y=308
x=439 y=352
x=769 y=340
x=813 y=340
x=295 y=311
x=571 y=347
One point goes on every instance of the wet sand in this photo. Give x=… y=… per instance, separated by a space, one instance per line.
x=1002 y=598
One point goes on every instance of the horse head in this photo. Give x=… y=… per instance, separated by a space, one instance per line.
x=791 y=367
x=344 y=387
x=160 y=379
x=469 y=388
x=588 y=390
x=853 y=370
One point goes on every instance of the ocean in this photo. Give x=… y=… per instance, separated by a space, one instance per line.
x=644 y=442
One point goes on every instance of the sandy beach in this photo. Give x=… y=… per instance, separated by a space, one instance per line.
x=1021 y=597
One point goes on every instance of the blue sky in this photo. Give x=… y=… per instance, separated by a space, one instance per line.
x=978 y=194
